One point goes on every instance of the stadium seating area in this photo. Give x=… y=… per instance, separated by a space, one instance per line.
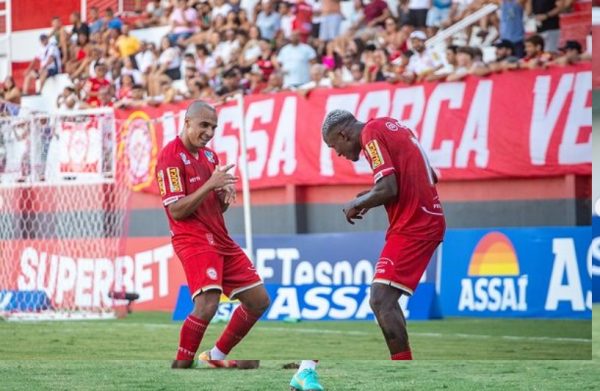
x=216 y=48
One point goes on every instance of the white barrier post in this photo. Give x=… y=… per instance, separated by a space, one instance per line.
x=245 y=181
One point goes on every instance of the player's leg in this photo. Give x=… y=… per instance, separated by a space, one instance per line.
x=194 y=326
x=384 y=302
x=254 y=302
x=306 y=378
x=242 y=282
x=203 y=273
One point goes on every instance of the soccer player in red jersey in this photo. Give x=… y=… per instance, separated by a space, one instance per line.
x=405 y=185
x=195 y=192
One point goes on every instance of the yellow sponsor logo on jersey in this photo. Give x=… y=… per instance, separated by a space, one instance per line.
x=375 y=154
x=174 y=180
x=161 y=183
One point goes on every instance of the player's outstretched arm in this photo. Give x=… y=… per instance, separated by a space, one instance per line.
x=184 y=207
x=384 y=191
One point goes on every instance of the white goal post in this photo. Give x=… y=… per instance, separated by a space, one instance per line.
x=63 y=209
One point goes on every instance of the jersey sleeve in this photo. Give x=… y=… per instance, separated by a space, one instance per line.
x=170 y=176
x=377 y=153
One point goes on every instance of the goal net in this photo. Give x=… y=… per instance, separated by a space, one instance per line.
x=63 y=209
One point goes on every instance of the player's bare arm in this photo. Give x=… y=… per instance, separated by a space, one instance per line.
x=184 y=207
x=384 y=191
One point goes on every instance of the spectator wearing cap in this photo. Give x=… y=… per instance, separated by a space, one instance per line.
x=571 y=53
x=50 y=64
x=511 y=24
x=535 y=56
x=294 y=61
x=423 y=62
x=268 y=20
x=546 y=14
x=231 y=83
x=505 y=57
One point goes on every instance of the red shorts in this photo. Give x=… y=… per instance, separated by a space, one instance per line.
x=403 y=261
x=231 y=274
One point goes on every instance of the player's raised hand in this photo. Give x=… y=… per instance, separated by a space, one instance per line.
x=229 y=194
x=221 y=178
x=352 y=213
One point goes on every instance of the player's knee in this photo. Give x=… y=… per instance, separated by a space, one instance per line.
x=380 y=303
x=260 y=305
x=206 y=306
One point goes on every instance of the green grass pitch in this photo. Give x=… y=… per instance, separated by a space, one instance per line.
x=461 y=354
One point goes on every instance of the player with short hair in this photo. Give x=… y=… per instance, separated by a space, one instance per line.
x=405 y=185
x=195 y=192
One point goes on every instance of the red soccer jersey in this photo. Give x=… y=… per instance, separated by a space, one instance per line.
x=178 y=174
x=392 y=149
x=95 y=85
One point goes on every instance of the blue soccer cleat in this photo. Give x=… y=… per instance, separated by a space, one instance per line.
x=307 y=380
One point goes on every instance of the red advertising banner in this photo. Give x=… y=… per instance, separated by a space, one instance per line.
x=80 y=273
x=518 y=124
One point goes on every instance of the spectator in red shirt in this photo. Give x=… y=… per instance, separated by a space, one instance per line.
x=95 y=84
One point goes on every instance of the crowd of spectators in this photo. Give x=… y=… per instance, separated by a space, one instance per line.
x=217 y=48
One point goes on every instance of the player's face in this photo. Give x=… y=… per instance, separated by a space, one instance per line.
x=200 y=129
x=343 y=145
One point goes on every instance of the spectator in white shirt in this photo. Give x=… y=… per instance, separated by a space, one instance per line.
x=226 y=47
x=220 y=7
x=287 y=19
x=318 y=78
x=423 y=62
x=294 y=60
x=50 y=64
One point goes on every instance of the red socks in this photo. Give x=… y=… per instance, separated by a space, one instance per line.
x=402 y=356
x=241 y=322
x=191 y=334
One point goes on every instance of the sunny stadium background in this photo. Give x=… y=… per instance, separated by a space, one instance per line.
x=82 y=230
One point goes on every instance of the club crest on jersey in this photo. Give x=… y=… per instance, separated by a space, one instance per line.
x=211 y=273
x=161 y=183
x=184 y=159
x=210 y=156
x=174 y=180
x=392 y=126
x=375 y=154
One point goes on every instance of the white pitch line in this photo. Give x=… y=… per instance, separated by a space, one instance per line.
x=436 y=335
x=356 y=332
